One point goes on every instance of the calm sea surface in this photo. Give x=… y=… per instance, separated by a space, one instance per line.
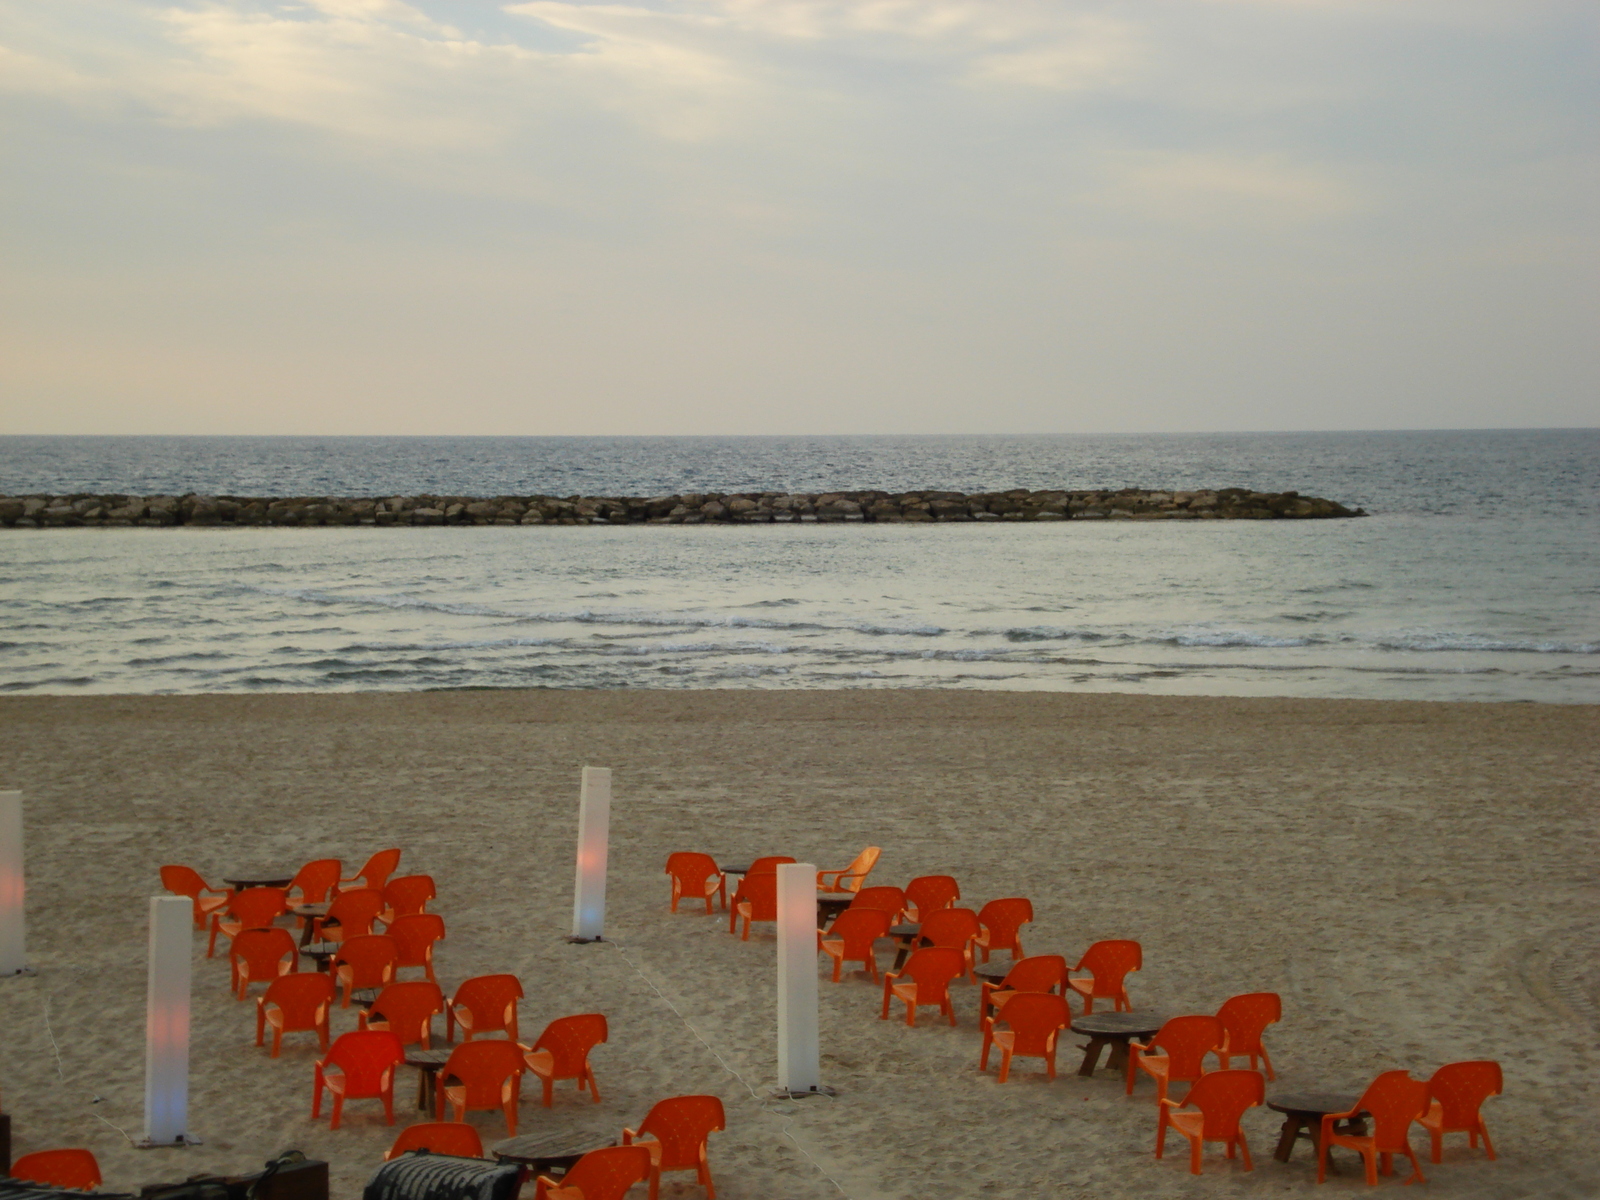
x=1477 y=577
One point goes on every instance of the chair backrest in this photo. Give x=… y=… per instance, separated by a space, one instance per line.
x=183 y=881
x=1037 y=973
x=929 y=893
x=1394 y=1100
x=1221 y=1097
x=608 y=1174
x=1186 y=1041
x=257 y=908
x=569 y=1040
x=482 y=1067
x=1462 y=1087
x=933 y=967
x=692 y=872
x=761 y=893
x=312 y=882
x=377 y=869
x=364 y=1055
x=414 y=935
x=371 y=957
x=409 y=894
x=407 y=1007
x=860 y=867
x=771 y=862
x=68 y=1168
x=1035 y=1017
x=355 y=910
x=858 y=928
x=1002 y=918
x=261 y=952
x=950 y=927
x=300 y=996
x=682 y=1125
x=491 y=1000
x=438 y=1137
x=1110 y=962
x=1244 y=1017
x=890 y=899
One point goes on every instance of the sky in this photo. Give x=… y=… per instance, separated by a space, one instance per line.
x=797 y=216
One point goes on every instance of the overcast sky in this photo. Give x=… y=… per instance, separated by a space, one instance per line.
x=797 y=216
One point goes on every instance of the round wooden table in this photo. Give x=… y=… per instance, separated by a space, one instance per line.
x=1303 y=1113
x=320 y=953
x=831 y=904
x=549 y=1153
x=263 y=877
x=1113 y=1029
x=308 y=913
x=994 y=972
x=906 y=936
x=428 y=1064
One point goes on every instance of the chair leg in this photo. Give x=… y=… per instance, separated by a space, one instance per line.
x=1244 y=1149
x=1370 y=1159
x=1197 y=1148
x=338 y=1110
x=1487 y=1144
x=594 y=1085
x=1161 y=1133
x=1416 y=1167
x=1436 y=1145
x=1267 y=1063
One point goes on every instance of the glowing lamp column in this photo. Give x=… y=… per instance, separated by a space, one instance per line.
x=13 y=931
x=594 y=828
x=799 y=1049
x=166 y=1037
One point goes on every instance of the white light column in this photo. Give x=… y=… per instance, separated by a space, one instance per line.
x=166 y=1035
x=13 y=928
x=594 y=829
x=799 y=1050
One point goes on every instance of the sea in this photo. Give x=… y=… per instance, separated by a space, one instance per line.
x=1476 y=576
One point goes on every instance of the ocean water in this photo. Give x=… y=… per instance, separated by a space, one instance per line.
x=1477 y=577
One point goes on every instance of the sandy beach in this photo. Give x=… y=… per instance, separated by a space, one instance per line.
x=1417 y=880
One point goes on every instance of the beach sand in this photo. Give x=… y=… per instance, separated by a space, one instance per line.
x=1417 y=880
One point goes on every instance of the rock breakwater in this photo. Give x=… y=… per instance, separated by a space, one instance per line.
x=1019 y=504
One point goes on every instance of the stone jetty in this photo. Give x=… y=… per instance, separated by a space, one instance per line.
x=720 y=508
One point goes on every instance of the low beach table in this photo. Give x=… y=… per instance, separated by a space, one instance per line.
x=320 y=953
x=906 y=936
x=1113 y=1029
x=1303 y=1113
x=549 y=1152
x=831 y=904
x=259 y=877
x=308 y=913
x=428 y=1064
x=993 y=972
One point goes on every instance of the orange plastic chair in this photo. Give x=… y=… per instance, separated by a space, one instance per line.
x=769 y=863
x=851 y=936
x=376 y=870
x=312 y=882
x=890 y=899
x=1033 y=1020
x=1243 y=1018
x=927 y=973
x=695 y=877
x=350 y=914
x=1393 y=1100
x=851 y=878
x=406 y=897
x=298 y=1003
x=757 y=901
x=415 y=936
x=676 y=1132
x=438 y=1137
x=1108 y=964
x=1456 y=1092
x=1219 y=1099
x=1040 y=973
x=486 y=1074
x=1002 y=921
x=406 y=1010
x=367 y=961
x=260 y=956
x=186 y=881
x=1177 y=1053
x=599 y=1175
x=953 y=927
x=359 y=1067
x=70 y=1168
x=253 y=908
x=483 y=1004
x=929 y=893
x=562 y=1052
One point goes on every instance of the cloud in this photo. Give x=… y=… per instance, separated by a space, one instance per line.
x=1209 y=189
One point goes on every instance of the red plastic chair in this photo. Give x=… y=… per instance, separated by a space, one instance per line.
x=359 y=1067
x=562 y=1052
x=1219 y=1099
x=928 y=894
x=1039 y=973
x=1456 y=1093
x=851 y=878
x=676 y=1133
x=298 y=1003
x=406 y=1010
x=767 y=864
x=696 y=877
x=260 y=956
x=851 y=936
x=375 y=871
x=952 y=927
x=313 y=882
x=69 y=1168
x=926 y=975
x=1177 y=1053
x=483 y=1004
x=415 y=936
x=253 y=908
x=1108 y=964
x=889 y=899
x=599 y=1175
x=350 y=914
x=1393 y=1101
x=1243 y=1018
x=1002 y=921
x=438 y=1137
x=186 y=881
x=364 y=962
x=406 y=897
x=757 y=900
x=486 y=1075
x=1033 y=1020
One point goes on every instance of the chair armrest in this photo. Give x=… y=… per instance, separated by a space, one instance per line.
x=1171 y=1103
x=628 y=1135
x=1133 y=1045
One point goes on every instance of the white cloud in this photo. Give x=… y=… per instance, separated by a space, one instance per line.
x=1205 y=189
